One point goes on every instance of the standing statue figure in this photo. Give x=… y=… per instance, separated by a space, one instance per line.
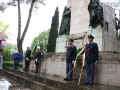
x=96 y=13
x=65 y=24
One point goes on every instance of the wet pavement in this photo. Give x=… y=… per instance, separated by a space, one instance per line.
x=16 y=86
x=74 y=81
x=13 y=85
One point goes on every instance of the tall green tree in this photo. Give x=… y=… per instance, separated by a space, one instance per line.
x=53 y=32
x=21 y=36
x=42 y=39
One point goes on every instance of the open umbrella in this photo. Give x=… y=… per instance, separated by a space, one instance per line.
x=19 y=56
x=3 y=36
x=3 y=44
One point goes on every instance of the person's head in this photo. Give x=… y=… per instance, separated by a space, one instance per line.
x=38 y=48
x=70 y=41
x=90 y=38
x=28 y=48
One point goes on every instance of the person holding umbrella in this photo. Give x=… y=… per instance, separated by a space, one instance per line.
x=1 y=59
x=17 y=57
x=3 y=44
x=37 y=59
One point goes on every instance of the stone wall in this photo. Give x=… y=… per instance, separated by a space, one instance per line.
x=107 y=69
x=106 y=39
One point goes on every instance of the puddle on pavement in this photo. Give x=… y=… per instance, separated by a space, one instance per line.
x=4 y=84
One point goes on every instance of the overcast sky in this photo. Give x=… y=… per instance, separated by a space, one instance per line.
x=39 y=22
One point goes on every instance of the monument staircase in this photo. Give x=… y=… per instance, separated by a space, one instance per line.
x=52 y=82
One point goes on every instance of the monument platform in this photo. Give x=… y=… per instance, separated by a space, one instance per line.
x=48 y=82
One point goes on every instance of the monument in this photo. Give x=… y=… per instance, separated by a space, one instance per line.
x=93 y=17
x=64 y=31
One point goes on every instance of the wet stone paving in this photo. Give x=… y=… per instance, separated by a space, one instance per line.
x=9 y=84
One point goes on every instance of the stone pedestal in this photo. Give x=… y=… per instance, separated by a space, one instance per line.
x=105 y=37
x=61 y=43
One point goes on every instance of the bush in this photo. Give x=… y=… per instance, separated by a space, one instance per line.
x=10 y=64
x=79 y=58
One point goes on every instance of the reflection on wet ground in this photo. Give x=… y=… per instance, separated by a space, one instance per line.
x=12 y=84
x=94 y=87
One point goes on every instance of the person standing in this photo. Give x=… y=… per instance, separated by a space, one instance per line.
x=70 y=58
x=16 y=59
x=91 y=56
x=27 y=58
x=1 y=58
x=37 y=59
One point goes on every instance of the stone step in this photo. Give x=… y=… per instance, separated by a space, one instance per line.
x=54 y=82
x=33 y=81
x=27 y=82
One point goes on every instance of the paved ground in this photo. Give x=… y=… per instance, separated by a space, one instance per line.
x=14 y=85
x=94 y=87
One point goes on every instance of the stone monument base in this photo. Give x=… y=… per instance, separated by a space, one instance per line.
x=61 y=43
x=102 y=37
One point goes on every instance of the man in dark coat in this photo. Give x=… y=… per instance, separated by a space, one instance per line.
x=91 y=56
x=70 y=58
x=37 y=59
x=27 y=58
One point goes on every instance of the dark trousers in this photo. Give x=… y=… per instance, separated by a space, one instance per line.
x=37 y=66
x=90 y=72
x=27 y=65
x=15 y=66
x=69 y=67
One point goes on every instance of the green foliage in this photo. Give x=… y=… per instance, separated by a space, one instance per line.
x=4 y=27
x=8 y=51
x=53 y=32
x=42 y=40
x=79 y=58
x=119 y=37
x=10 y=64
x=62 y=18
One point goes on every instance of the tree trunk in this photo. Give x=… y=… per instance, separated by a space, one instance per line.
x=27 y=24
x=19 y=28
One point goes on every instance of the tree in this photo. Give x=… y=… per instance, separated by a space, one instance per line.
x=8 y=51
x=53 y=32
x=3 y=28
x=2 y=6
x=20 y=37
x=42 y=39
x=62 y=18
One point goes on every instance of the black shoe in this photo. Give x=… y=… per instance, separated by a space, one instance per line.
x=91 y=84
x=35 y=72
x=69 y=80
x=87 y=83
x=65 y=79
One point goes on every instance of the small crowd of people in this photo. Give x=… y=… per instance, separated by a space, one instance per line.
x=91 y=58
x=28 y=58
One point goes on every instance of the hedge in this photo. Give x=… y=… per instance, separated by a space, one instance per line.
x=10 y=64
x=79 y=58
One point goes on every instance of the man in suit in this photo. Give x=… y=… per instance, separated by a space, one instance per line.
x=91 y=56
x=27 y=58
x=70 y=58
x=37 y=59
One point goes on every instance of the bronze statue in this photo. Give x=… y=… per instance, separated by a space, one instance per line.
x=96 y=13
x=117 y=23
x=65 y=24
